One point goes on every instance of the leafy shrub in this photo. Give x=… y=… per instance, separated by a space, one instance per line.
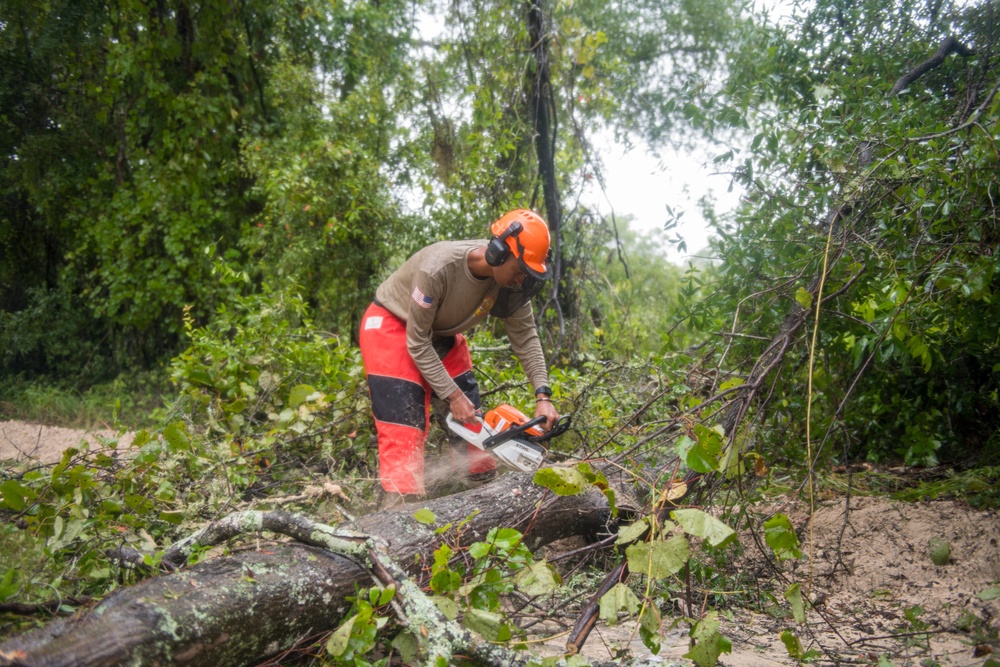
x=259 y=383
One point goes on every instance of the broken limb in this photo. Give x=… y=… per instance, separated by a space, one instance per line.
x=250 y=604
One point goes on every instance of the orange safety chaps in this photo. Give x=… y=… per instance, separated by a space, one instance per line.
x=401 y=399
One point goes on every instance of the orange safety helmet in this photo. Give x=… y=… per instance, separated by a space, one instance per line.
x=525 y=234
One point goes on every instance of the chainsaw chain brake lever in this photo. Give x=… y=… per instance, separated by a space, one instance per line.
x=512 y=432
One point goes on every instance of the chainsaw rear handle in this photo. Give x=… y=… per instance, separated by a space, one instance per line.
x=512 y=432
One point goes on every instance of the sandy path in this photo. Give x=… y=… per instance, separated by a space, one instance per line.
x=22 y=440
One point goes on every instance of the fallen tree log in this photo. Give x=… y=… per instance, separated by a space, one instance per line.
x=256 y=603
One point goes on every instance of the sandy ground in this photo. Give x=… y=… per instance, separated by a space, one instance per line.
x=22 y=440
x=871 y=570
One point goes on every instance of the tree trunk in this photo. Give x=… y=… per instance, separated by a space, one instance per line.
x=256 y=603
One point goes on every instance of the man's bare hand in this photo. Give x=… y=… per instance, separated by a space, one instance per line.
x=546 y=409
x=462 y=409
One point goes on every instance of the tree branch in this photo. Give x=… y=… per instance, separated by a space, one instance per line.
x=948 y=46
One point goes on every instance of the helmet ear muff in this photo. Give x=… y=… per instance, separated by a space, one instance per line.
x=497 y=250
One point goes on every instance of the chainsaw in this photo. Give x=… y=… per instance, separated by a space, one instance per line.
x=508 y=434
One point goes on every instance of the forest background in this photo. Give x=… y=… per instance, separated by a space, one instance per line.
x=198 y=200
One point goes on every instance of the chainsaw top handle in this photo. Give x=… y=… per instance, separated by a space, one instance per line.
x=512 y=432
x=561 y=427
x=503 y=436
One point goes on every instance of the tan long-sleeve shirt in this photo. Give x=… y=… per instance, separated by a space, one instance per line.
x=437 y=295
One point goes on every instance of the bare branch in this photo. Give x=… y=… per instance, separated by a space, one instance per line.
x=948 y=46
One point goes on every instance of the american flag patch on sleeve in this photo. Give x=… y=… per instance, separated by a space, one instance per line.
x=422 y=299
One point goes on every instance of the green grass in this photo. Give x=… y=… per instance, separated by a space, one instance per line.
x=979 y=487
x=137 y=399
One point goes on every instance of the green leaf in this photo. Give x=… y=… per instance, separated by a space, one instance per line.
x=338 y=642
x=506 y=542
x=484 y=592
x=539 y=578
x=781 y=537
x=609 y=493
x=442 y=555
x=446 y=581
x=425 y=516
x=386 y=595
x=562 y=481
x=792 y=644
x=57 y=529
x=239 y=405
x=940 y=550
x=356 y=636
x=13 y=494
x=702 y=524
x=268 y=380
x=804 y=297
x=650 y=624
x=703 y=455
x=633 y=532
x=408 y=645
x=486 y=623
x=177 y=439
x=729 y=384
x=658 y=559
x=709 y=642
x=618 y=598
x=446 y=606
x=299 y=394
x=505 y=539
x=794 y=597
x=9 y=585
x=991 y=593
x=595 y=477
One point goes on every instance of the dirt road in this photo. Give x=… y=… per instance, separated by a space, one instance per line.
x=45 y=444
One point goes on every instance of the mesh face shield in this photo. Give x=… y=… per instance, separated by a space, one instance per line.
x=510 y=300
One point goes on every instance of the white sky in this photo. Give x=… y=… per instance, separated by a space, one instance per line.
x=642 y=185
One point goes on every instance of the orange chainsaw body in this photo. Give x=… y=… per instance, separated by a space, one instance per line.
x=505 y=433
x=503 y=416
